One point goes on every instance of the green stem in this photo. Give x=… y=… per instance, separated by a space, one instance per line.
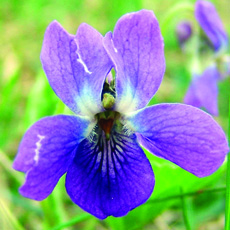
x=53 y=210
x=185 y=209
x=227 y=204
x=73 y=221
x=53 y=207
x=174 y=12
x=186 y=194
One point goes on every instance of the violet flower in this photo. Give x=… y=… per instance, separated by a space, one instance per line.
x=203 y=91
x=99 y=149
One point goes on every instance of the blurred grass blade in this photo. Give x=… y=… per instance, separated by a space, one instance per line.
x=173 y=12
x=53 y=207
x=6 y=163
x=168 y=198
x=41 y=102
x=76 y=220
x=227 y=202
x=8 y=219
x=185 y=209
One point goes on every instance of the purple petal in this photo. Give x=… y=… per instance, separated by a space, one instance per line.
x=191 y=97
x=137 y=50
x=46 y=151
x=76 y=66
x=210 y=22
x=110 y=177
x=203 y=91
x=183 y=135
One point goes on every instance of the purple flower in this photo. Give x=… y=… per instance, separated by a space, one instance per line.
x=210 y=22
x=183 y=32
x=99 y=149
x=203 y=90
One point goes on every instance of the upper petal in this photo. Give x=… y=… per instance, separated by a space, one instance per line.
x=76 y=66
x=203 y=91
x=110 y=177
x=137 y=51
x=46 y=151
x=210 y=22
x=182 y=134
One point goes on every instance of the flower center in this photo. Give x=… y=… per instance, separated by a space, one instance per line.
x=106 y=121
x=106 y=125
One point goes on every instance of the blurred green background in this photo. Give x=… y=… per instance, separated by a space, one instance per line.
x=25 y=97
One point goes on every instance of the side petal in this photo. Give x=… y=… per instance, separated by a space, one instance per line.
x=210 y=22
x=137 y=51
x=182 y=134
x=110 y=177
x=76 y=66
x=203 y=91
x=46 y=151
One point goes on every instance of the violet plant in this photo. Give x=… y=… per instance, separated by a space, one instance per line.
x=100 y=147
x=210 y=48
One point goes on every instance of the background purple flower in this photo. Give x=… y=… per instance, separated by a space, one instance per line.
x=203 y=91
x=210 y=22
x=107 y=170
